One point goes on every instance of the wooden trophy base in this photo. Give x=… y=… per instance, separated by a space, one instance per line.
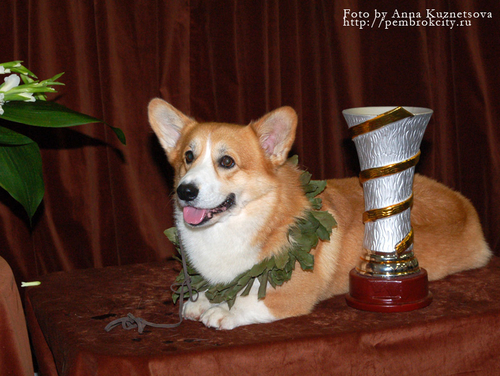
x=388 y=294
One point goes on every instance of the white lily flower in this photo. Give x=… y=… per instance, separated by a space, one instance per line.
x=29 y=97
x=4 y=70
x=11 y=82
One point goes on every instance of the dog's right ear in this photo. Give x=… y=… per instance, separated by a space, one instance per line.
x=167 y=122
x=276 y=132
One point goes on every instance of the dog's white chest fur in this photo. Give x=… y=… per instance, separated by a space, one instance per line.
x=219 y=254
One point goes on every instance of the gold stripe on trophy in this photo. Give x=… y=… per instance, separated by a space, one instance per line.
x=374 y=214
x=404 y=244
x=388 y=117
x=378 y=172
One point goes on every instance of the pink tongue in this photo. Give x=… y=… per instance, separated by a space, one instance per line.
x=193 y=216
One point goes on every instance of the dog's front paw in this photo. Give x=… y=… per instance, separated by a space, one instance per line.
x=247 y=310
x=220 y=317
x=194 y=310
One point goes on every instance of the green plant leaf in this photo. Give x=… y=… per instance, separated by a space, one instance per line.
x=9 y=137
x=21 y=174
x=305 y=178
x=257 y=269
x=306 y=260
x=119 y=133
x=281 y=259
x=326 y=219
x=315 y=187
x=261 y=294
x=44 y=114
x=248 y=288
x=322 y=233
x=176 y=296
x=171 y=234
x=231 y=301
x=294 y=160
x=316 y=203
x=50 y=115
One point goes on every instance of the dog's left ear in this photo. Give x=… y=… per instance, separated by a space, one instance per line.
x=276 y=132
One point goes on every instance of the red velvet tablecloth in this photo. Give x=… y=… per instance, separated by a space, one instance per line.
x=15 y=352
x=458 y=334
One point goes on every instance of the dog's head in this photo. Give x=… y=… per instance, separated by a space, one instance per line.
x=221 y=168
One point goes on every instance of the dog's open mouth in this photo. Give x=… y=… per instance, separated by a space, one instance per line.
x=195 y=216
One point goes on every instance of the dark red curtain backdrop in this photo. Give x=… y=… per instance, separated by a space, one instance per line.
x=108 y=204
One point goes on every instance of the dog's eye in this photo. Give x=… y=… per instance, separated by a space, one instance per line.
x=189 y=156
x=226 y=162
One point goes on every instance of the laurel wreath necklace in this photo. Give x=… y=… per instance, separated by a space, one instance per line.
x=306 y=232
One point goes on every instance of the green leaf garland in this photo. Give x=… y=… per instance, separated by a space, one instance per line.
x=304 y=235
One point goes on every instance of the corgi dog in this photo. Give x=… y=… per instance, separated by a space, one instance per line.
x=236 y=196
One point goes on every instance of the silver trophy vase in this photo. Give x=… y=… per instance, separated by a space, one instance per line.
x=387 y=140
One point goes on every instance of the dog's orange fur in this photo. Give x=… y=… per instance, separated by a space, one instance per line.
x=448 y=235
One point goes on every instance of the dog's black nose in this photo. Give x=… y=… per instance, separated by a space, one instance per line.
x=187 y=192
